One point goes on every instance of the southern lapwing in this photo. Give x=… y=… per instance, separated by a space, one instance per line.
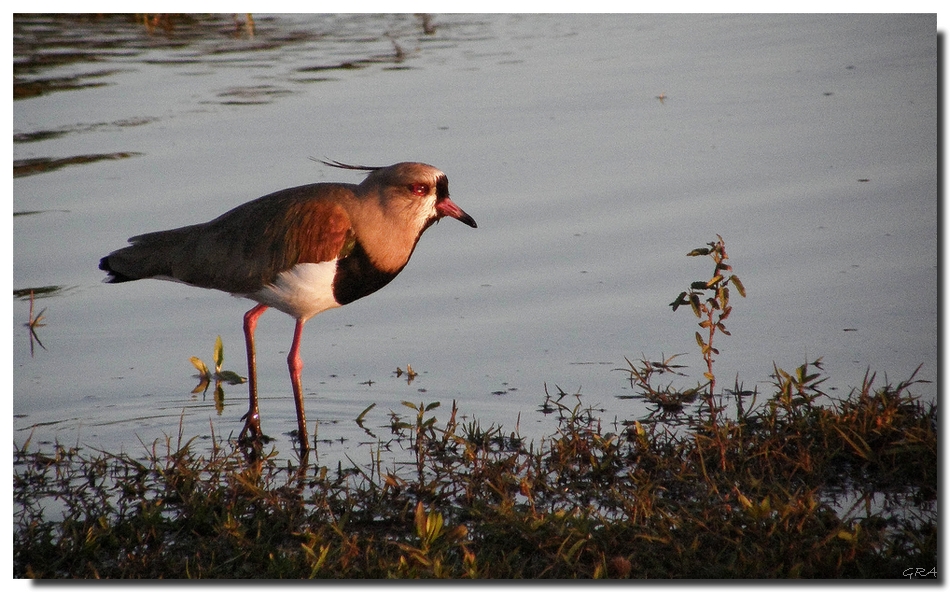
x=301 y=250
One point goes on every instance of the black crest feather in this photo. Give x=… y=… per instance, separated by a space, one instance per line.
x=351 y=167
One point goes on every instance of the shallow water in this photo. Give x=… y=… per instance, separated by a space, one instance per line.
x=594 y=152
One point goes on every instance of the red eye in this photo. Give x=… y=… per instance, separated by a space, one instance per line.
x=420 y=189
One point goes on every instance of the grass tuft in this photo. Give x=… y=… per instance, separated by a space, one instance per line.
x=786 y=488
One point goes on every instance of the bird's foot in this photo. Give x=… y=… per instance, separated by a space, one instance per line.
x=251 y=434
x=303 y=446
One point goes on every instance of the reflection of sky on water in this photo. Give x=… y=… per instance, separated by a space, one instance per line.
x=807 y=142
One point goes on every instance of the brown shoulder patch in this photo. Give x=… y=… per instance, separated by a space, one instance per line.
x=324 y=230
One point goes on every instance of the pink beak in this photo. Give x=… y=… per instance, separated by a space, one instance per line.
x=447 y=207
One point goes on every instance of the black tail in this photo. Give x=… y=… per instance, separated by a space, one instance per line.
x=114 y=276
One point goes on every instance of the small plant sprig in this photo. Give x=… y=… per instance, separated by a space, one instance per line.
x=205 y=376
x=33 y=324
x=409 y=372
x=669 y=400
x=715 y=308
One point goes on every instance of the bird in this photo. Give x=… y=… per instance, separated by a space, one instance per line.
x=301 y=250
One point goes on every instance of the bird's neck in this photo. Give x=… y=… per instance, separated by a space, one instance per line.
x=387 y=240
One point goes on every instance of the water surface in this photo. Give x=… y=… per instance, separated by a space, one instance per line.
x=594 y=152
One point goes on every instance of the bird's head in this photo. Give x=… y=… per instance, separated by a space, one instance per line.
x=415 y=192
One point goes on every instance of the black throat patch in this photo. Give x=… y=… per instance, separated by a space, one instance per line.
x=356 y=276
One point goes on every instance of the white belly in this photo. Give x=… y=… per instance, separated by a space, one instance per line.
x=302 y=291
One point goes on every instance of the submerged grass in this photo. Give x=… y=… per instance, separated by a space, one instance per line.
x=797 y=486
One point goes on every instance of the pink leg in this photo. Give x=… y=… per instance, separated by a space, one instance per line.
x=252 y=423
x=296 y=365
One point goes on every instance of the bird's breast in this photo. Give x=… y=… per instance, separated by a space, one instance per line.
x=357 y=275
x=307 y=289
